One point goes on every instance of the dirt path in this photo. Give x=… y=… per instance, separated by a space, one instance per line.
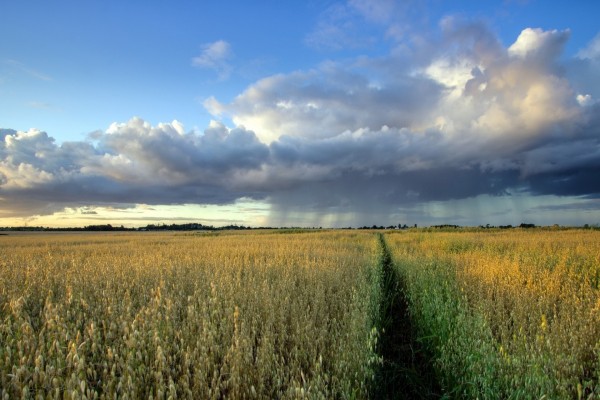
x=406 y=372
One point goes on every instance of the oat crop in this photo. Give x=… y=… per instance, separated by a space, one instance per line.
x=187 y=316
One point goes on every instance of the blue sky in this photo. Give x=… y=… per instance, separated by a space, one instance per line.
x=329 y=113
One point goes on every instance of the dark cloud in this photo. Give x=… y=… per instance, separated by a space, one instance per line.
x=130 y=163
x=592 y=205
x=575 y=182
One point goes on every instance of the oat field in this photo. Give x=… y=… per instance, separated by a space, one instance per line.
x=187 y=316
x=506 y=314
x=300 y=314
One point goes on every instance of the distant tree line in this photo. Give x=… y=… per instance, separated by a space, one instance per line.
x=111 y=228
x=201 y=227
x=399 y=226
x=523 y=225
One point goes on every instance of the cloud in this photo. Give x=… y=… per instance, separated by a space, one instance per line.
x=328 y=100
x=358 y=24
x=583 y=72
x=40 y=105
x=19 y=66
x=466 y=86
x=215 y=56
x=337 y=29
x=541 y=46
x=585 y=100
x=587 y=205
x=592 y=50
x=129 y=163
x=378 y=11
x=456 y=118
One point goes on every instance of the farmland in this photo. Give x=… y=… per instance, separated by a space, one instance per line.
x=306 y=314
x=506 y=314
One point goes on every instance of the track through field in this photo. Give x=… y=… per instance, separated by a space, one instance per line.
x=406 y=372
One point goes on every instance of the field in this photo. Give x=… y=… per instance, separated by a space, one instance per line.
x=506 y=314
x=301 y=314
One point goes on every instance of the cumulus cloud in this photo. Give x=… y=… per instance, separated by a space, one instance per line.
x=215 y=56
x=129 y=163
x=585 y=100
x=467 y=87
x=538 y=45
x=327 y=101
x=459 y=117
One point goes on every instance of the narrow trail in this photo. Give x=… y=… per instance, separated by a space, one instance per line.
x=406 y=372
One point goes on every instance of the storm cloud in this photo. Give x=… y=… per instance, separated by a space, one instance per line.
x=450 y=118
x=130 y=162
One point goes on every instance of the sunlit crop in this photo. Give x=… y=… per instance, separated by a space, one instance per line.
x=301 y=314
x=188 y=316
x=507 y=314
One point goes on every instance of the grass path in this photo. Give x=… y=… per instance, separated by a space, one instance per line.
x=406 y=372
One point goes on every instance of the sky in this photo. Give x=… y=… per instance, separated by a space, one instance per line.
x=299 y=113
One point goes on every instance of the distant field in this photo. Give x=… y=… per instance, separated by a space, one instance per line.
x=299 y=314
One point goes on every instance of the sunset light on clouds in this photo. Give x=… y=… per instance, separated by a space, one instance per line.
x=311 y=113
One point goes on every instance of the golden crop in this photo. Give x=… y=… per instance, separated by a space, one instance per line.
x=164 y=315
x=512 y=313
x=503 y=314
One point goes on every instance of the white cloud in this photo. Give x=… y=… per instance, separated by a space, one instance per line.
x=327 y=101
x=537 y=44
x=215 y=56
x=585 y=100
x=592 y=50
x=475 y=92
x=583 y=71
x=356 y=24
x=380 y=11
x=28 y=70
x=453 y=76
x=213 y=106
x=40 y=105
x=338 y=29
x=23 y=176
